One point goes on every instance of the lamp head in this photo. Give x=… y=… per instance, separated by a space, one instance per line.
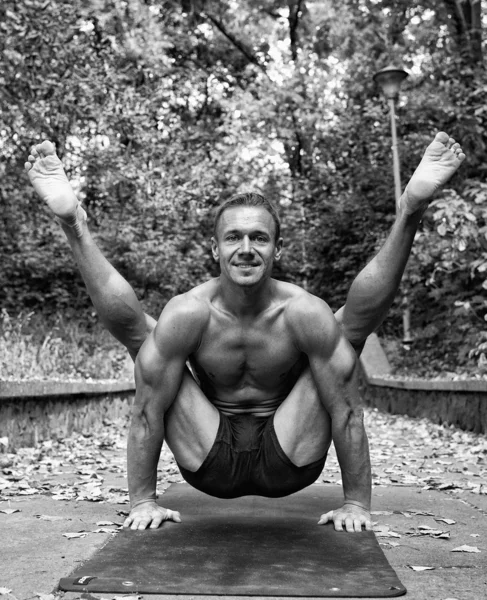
x=390 y=79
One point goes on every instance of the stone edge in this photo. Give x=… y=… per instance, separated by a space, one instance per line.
x=42 y=389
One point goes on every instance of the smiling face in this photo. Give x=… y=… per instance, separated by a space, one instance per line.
x=245 y=244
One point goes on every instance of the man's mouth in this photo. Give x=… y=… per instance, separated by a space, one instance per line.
x=245 y=265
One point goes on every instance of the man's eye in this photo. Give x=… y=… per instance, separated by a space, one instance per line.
x=261 y=239
x=231 y=238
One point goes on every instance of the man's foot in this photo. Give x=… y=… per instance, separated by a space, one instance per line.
x=49 y=180
x=441 y=159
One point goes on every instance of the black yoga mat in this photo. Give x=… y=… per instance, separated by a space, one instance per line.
x=249 y=546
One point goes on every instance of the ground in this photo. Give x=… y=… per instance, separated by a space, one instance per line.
x=429 y=498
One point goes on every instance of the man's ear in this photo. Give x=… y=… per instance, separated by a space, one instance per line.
x=278 y=250
x=214 y=249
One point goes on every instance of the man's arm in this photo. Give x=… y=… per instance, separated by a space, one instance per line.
x=159 y=369
x=333 y=365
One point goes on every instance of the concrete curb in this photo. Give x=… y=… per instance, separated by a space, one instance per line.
x=40 y=389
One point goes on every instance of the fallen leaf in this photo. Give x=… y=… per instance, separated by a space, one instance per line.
x=420 y=513
x=4 y=590
x=447 y=521
x=9 y=511
x=418 y=568
x=104 y=523
x=474 y=535
x=382 y=512
x=466 y=548
x=384 y=531
x=104 y=530
x=49 y=518
x=75 y=535
x=46 y=596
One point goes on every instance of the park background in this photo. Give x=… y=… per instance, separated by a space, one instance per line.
x=161 y=109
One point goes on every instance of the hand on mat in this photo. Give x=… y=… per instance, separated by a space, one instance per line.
x=351 y=516
x=150 y=514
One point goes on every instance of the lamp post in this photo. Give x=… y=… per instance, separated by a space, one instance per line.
x=390 y=79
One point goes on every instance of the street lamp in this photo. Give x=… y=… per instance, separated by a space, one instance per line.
x=390 y=79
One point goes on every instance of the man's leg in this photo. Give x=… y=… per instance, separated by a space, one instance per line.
x=301 y=423
x=113 y=298
x=190 y=425
x=374 y=289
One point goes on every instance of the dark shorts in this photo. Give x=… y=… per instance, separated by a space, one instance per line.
x=246 y=459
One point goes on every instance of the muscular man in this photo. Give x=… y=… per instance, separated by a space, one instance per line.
x=273 y=371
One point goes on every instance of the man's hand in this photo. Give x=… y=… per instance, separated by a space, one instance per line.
x=352 y=516
x=150 y=514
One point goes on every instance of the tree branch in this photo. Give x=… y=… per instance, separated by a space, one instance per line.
x=236 y=42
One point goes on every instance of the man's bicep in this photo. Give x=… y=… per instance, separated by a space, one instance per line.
x=160 y=365
x=332 y=361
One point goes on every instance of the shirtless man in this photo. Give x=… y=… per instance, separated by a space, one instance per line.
x=274 y=370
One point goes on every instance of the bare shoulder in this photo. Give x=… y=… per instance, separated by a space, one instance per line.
x=183 y=320
x=304 y=307
x=309 y=317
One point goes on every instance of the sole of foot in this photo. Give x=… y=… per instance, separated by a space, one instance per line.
x=440 y=161
x=47 y=176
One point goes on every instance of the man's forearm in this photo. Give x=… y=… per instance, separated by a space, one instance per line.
x=373 y=290
x=352 y=450
x=143 y=451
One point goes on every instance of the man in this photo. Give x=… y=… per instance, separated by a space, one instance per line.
x=273 y=371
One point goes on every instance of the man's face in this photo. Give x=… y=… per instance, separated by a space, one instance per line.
x=245 y=244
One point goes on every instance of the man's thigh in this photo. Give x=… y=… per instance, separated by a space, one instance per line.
x=191 y=425
x=301 y=423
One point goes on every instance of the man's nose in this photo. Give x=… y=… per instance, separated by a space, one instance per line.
x=245 y=246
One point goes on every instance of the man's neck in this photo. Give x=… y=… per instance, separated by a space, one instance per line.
x=246 y=300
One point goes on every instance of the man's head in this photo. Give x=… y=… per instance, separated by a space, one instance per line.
x=248 y=199
x=246 y=239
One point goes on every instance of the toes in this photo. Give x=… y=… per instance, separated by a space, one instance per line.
x=46 y=148
x=442 y=137
x=27 y=166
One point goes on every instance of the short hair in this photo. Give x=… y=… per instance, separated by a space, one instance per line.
x=248 y=199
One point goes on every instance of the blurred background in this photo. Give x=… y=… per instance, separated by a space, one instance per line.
x=162 y=109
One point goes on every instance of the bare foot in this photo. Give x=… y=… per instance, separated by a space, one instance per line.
x=441 y=159
x=49 y=180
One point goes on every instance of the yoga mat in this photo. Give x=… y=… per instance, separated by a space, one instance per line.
x=250 y=546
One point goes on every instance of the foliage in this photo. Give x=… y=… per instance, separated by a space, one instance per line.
x=30 y=348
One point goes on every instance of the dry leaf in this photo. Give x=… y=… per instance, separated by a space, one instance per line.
x=9 y=511
x=50 y=518
x=474 y=535
x=382 y=512
x=75 y=535
x=418 y=568
x=465 y=548
x=447 y=521
x=46 y=596
x=105 y=523
x=384 y=531
x=4 y=590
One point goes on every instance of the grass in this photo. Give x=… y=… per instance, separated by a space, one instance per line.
x=33 y=346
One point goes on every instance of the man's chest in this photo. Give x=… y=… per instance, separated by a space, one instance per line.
x=263 y=351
